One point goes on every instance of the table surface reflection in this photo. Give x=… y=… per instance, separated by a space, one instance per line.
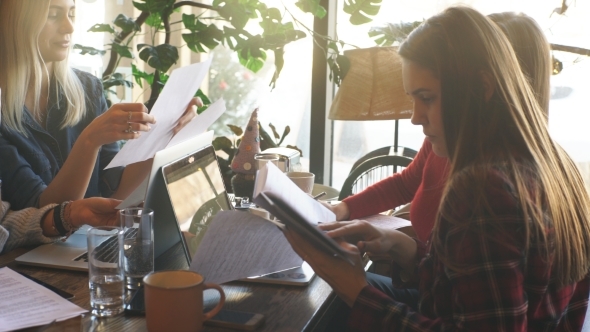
x=286 y=308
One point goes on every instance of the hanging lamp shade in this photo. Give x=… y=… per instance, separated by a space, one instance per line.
x=373 y=88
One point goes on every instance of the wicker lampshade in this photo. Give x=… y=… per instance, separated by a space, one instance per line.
x=373 y=87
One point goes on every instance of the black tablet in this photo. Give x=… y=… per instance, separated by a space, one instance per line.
x=293 y=220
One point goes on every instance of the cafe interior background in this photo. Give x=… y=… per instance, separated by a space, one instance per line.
x=296 y=98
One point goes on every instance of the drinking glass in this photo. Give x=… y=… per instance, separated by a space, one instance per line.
x=105 y=270
x=138 y=261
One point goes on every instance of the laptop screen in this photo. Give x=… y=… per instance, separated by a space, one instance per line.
x=196 y=191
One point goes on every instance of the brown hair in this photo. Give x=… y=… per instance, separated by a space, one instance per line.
x=507 y=133
x=532 y=50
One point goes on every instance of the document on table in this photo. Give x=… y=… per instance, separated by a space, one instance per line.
x=238 y=245
x=180 y=88
x=24 y=303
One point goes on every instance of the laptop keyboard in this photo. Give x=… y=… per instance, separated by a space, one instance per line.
x=107 y=251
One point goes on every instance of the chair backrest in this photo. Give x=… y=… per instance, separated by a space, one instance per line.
x=385 y=151
x=371 y=171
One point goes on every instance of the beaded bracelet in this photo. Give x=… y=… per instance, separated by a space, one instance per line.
x=65 y=219
x=57 y=221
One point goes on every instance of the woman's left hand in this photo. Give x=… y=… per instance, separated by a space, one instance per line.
x=346 y=280
x=94 y=211
x=188 y=115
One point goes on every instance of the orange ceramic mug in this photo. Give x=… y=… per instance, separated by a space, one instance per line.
x=174 y=301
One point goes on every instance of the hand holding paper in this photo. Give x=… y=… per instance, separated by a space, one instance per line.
x=180 y=88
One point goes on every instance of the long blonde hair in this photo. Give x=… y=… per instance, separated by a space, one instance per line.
x=508 y=132
x=21 y=22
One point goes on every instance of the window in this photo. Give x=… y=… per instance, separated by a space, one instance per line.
x=568 y=118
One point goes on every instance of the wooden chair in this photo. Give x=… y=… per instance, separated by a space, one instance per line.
x=385 y=151
x=371 y=171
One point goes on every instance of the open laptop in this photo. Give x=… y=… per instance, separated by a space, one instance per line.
x=197 y=193
x=70 y=254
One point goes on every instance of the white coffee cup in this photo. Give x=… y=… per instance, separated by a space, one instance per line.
x=303 y=180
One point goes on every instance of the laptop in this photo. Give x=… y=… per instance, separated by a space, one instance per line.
x=197 y=193
x=70 y=255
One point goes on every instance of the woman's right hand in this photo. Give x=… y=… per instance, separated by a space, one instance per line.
x=374 y=240
x=122 y=121
x=94 y=211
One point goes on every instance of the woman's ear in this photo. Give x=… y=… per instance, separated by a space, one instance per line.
x=488 y=84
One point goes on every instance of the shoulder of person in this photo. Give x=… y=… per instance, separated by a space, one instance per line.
x=487 y=189
x=89 y=81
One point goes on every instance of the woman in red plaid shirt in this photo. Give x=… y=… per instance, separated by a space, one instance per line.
x=510 y=249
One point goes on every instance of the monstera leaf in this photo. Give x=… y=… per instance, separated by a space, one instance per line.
x=390 y=33
x=88 y=50
x=361 y=10
x=160 y=57
x=125 y=23
x=311 y=6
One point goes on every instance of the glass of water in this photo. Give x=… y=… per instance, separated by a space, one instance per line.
x=138 y=261
x=105 y=270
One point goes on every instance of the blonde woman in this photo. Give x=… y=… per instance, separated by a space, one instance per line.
x=56 y=132
x=510 y=248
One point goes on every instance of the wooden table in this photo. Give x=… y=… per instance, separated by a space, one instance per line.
x=286 y=308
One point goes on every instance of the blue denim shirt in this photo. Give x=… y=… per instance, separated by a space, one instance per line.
x=28 y=164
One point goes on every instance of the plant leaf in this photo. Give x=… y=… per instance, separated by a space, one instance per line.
x=390 y=33
x=160 y=57
x=88 y=50
x=311 y=6
x=139 y=75
x=285 y=133
x=125 y=23
x=206 y=101
x=274 y=131
x=295 y=148
x=279 y=63
x=237 y=12
x=122 y=50
x=116 y=79
x=222 y=143
x=102 y=28
x=154 y=6
x=201 y=34
x=155 y=20
x=251 y=62
x=236 y=130
x=361 y=10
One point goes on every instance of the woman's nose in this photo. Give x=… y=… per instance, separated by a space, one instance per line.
x=67 y=26
x=418 y=117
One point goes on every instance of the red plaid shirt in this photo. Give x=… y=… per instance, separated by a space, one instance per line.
x=502 y=289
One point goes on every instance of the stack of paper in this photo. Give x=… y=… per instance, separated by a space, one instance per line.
x=238 y=245
x=24 y=303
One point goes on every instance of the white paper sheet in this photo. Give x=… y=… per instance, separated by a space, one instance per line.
x=181 y=86
x=270 y=179
x=388 y=222
x=24 y=303
x=239 y=245
x=164 y=157
x=200 y=123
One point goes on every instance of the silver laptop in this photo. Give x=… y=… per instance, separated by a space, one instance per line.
x=197 y=193
x=70 y=254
